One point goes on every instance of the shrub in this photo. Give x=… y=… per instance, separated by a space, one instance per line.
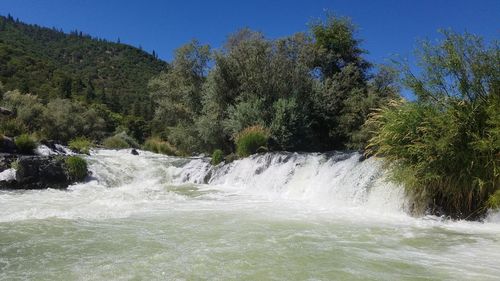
x=217 y=157
x=445 y=146
x=12 y=127
x=120 y=141
x=157 y=145
x=80 y=145
x=76 y=167
x=115 y=142
x=439 y=155
x=25 y=144
x=251 y=139
x=494 y=200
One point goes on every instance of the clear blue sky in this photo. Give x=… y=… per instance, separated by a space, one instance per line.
x=387 y=27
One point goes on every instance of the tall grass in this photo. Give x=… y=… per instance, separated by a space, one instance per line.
x=120 y=141
x=157 y=145
x=217 y=157
x=76 y=167
x=80 y=145
x=25 y=144
x=448 y=159
x=445 y=146
x=250 y=140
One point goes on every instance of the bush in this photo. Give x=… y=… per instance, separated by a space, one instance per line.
x=157 y=145
x=251 y=139
x=445 y=146
x=25 y=144
x=80 y=145
x=76 y=167
x=120 y=141
x=494 y=200
x=217 y=157
x=12 y=127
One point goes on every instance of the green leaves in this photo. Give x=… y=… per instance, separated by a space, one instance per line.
x=444 y=147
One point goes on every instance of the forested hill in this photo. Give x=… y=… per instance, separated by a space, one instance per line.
x=50 y=63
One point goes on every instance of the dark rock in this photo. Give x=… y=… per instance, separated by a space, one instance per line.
x=6 y=112
x=40 y=172
x=53 y=145
x=7 y=145
x=6 y=161
x=134 y=151
x=262 y=149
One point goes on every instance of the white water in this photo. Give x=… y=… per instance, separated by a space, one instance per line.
x=273 y=216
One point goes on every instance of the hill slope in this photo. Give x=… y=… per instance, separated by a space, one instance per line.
x=51 y=63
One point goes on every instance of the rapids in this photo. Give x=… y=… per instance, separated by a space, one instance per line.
x=275 y=216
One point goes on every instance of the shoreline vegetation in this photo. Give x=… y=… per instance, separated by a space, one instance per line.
x=312 y=91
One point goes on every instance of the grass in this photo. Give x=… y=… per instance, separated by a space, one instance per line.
x=446 y=157
x=494 y=200
x=76 y=167
x=25 y=144
x=217 y=157
x=158 y=145
x=120 y=141
x=250 y=140
x=80 y=145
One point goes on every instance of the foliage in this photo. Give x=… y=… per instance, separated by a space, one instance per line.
x=217 y=157
x=120 y=141
x=59 y=119
x=76 y=167
x=157 y=145
x=12 y=127
x=312 y=90
x=177 y=94
x=494 y=200
x=250 y=140
x=64 y=120
x=25 y=144
x=52 y=64
x=444 y=147
x=80 y=145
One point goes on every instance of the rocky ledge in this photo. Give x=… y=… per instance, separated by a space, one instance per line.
x=40 y=171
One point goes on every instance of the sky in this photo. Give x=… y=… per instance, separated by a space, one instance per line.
x=388 y=28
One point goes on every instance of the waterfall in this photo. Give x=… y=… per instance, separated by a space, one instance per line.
x=325 y=179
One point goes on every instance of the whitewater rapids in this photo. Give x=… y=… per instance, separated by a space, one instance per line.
x=275 y=216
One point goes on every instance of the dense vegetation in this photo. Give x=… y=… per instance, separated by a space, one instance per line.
x=312 y=91
x=445 y=146
x=54 y=65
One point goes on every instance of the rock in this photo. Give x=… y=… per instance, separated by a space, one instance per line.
x=134 y=152
x=7 y=145
x=54 y=146
x=6 y=161
x=40 y=172
x=6 y=112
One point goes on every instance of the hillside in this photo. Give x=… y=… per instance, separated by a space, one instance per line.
x=51 y=63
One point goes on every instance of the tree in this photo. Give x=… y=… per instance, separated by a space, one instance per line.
x=177 y=93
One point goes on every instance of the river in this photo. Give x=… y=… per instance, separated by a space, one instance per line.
x=277 y=216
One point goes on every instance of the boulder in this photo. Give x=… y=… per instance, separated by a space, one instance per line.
x=134 y=152
x=6 y=112
x=7 y=145
x=6 y=161
x=40 y=172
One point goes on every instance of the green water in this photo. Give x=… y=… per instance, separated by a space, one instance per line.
x=242 y=245
x=150 y=229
